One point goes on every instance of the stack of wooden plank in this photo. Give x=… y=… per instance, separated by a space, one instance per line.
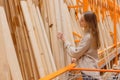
x=29 y=48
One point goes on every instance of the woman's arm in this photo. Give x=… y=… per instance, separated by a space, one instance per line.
x=77 y=52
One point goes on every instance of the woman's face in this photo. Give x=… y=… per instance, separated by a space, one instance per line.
x=82 y=22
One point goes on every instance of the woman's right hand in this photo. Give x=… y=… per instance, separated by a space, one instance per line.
x=73 y=60
x=61 y=36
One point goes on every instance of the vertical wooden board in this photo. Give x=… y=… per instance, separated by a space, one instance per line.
x=1 y=2
x=36 y=2
x=32 y=37
x=67 y=29
x=102 y=30
x=46 y=40
x=110 y=24
x=53 y=31
x=12 y=60
x=9 y=17
x=60 y=61
x=75 y=23
x=109 y=20
x=19 y=54
x=42 y=37
x=118 y=30
x=12 y=8
x=63 y=25
x=4 y=67
x=100 y=36
x=104 y=37
x=14 y=26
x=35 y=74
x=24 y=54
x=44 y=13
x=108 y=42
x=108 y=29
x=39 y=37
x=68 y=23
x=27 y=52
x=102 y=46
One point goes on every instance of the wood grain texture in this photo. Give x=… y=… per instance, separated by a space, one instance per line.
x=10 y=50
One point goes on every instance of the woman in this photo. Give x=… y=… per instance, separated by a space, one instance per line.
x=86 y=53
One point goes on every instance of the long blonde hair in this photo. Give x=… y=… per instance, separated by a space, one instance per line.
x=91 y=20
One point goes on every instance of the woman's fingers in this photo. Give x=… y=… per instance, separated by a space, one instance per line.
x=60 y=35
x=74 y=60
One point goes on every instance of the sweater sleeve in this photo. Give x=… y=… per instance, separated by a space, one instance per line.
x=77 y=52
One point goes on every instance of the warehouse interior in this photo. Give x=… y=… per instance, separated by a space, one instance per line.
x=30 y=49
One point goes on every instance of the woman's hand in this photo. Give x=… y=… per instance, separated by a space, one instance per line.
x=61 y=36
x=73 y=60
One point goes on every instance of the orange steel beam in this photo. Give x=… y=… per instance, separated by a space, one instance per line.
x=100 y=70
x=55 y=74
x=108 y=5
x=76 y=34
x=102 y=61
x=76 y=6
x=105 y=5
x=70 y=68
x=85 y=5
x=101 y=51
x=76 y=41
x=115 y=32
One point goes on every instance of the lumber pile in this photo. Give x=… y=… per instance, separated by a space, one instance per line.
x=29 y=48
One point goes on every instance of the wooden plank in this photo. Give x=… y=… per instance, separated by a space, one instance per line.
x=1 y=2
x=60 y=61
x=29 y=53
x=32 y=63
x=67 y=28
x=46 y=42
x=4 y=67
x=53 y=32
x=19 y=54
x=12 y=60
x=38 y=35
x=111 y=56
x=42 y=37
x=44 y=14
x=32 y=38
x=103 y=40
x=20 y=48
x=27 y=49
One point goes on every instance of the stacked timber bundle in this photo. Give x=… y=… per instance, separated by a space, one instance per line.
x=29 y=48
